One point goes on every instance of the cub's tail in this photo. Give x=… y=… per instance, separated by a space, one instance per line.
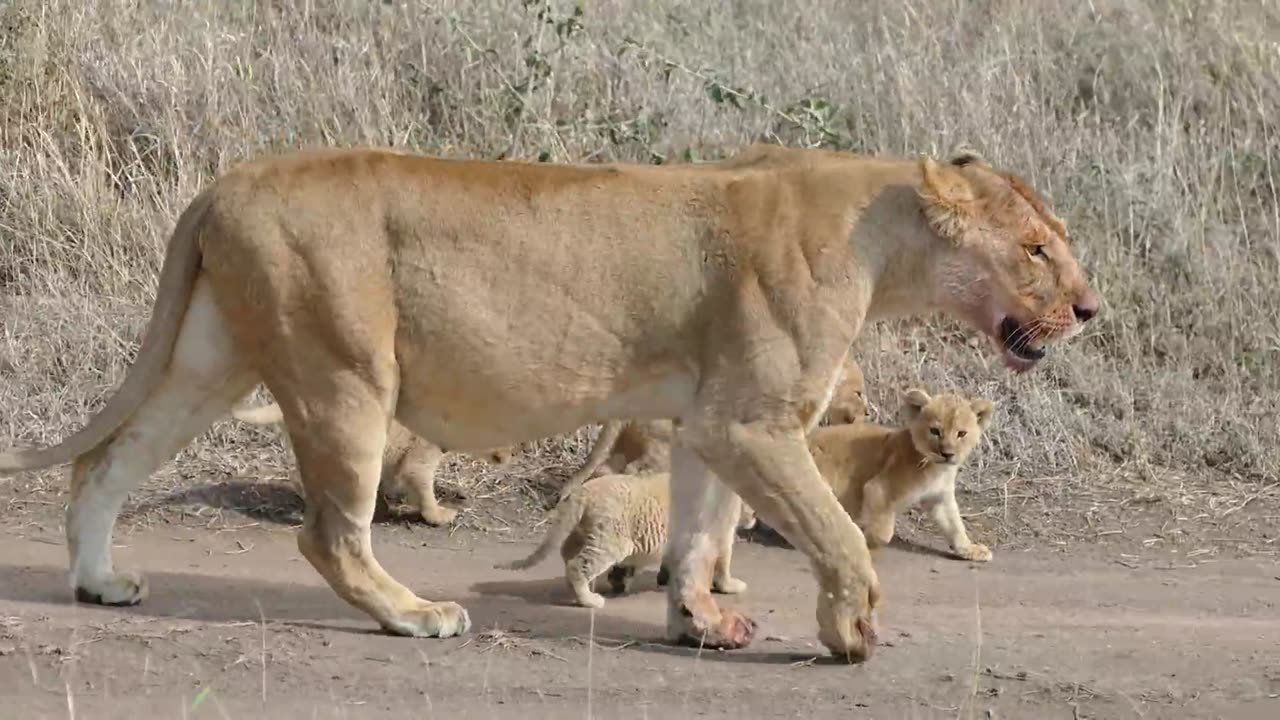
x=599 y=452
x=567 y=515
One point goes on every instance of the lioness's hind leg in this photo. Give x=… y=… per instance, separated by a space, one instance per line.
x=339 y=451
x=204 y=378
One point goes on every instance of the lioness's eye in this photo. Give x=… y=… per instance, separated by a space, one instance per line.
x=935 y=431
x=962 y=433
x=1036 y=251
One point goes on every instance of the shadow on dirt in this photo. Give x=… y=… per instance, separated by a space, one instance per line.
x=276 y=503
x=187 y=596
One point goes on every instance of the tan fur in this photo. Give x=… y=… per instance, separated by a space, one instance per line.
x=482 y=303
x=849 y=401
x=618 y=523
x=409 y=464
x=877 y=471
x=635 y=447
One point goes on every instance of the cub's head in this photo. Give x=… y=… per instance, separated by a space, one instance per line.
x=849 y=400
x=946 y=428
x=1006 y=266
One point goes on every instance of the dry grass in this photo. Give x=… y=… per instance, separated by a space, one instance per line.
x=1152 y=126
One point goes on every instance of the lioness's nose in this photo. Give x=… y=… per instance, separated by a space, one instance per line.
x=1087 y=307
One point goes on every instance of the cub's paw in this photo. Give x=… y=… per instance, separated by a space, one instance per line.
x=590 y=600
x=439 y=515
x=974 y=552
x=121 y=589
x=728 y=586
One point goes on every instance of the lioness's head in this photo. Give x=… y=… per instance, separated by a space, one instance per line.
x=946 y=428
x=1008 y=268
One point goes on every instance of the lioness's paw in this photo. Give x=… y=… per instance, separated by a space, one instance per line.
x=728 y=586
x=733 y=631
x=439 y=515
x=127 y=588
x=843 y=632
x=974 y=552
x=433 y=619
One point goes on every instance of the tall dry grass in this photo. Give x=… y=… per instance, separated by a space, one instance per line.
x=1153 y=127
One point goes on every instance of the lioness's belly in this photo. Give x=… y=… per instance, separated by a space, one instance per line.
x=552 y=313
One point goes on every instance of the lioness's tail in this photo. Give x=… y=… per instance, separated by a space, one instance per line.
x=177 y=280
x=260 y=415
x=567 y=515
x=601 y=450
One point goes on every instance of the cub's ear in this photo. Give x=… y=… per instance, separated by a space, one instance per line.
x=914 y=401
x=984 y=409
x=947 y=198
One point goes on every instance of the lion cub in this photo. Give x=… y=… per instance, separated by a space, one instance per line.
x=618 y=523
x=635 y=447
x=408 y=464
x=877 y=471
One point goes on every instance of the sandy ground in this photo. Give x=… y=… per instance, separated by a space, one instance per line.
x=239 y=626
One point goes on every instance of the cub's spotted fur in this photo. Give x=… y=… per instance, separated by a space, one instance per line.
x=618 y=523
x=878 y=471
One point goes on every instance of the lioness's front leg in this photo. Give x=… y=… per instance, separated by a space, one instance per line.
x=946 y=513
x=702 y=512
x=769 y=466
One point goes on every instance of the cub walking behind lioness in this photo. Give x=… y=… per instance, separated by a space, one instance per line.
x=877 y=471
x=618 y=523
x=409 y=465
x=643 y=446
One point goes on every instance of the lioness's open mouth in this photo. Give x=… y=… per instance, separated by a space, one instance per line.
x=1017 y=341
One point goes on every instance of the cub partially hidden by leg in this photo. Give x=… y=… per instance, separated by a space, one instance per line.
x=878 y=471
x=618 y=524
x=408 y=465
x=636 y=447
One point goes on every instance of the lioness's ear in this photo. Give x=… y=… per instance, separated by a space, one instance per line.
x=984 y=409
x=914 y=401
x=947 y=198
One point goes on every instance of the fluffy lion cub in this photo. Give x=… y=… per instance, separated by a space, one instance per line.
x=618 y=523
x=408 y=465
x=878 y=471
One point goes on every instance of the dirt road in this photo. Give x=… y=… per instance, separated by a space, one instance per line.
x=239 y=626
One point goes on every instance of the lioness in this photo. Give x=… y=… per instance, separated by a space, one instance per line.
x=618 y=523
x=408 y=464
x=635 y=447
x=481 y=303
x=877 y=471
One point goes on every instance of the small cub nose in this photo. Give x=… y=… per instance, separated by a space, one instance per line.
x=947 y=455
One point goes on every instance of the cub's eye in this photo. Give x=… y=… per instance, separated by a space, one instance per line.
x=1036 y=251
x=962 y=433
x=935 y=432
